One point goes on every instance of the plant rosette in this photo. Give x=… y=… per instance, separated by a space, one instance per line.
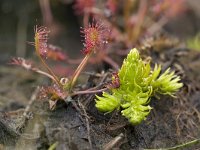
x=137 y=84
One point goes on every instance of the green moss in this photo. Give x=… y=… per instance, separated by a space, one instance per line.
x=137 y=84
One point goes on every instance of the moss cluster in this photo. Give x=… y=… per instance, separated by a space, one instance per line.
x=138 y=83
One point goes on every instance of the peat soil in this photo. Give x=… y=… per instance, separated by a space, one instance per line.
x=27 y=123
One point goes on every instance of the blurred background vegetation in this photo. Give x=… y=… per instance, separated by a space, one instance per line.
x=17 y=21
x=18 y=18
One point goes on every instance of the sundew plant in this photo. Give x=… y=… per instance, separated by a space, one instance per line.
x=137 y=83
x=95 y=37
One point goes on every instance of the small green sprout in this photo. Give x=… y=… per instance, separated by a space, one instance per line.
x=138 y=83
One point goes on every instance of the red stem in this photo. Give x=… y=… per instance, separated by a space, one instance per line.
x=79 y=69
x=88 y=92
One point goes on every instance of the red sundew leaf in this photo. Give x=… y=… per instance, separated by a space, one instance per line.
x=47 y=50
x=22 y=62
x=115 y=81
x=56 y=53
x=88 y=48
x=41 y=39
x=52 y=92
x=95 y=37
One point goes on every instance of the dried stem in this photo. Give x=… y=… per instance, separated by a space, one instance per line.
x=87 y=124
x=30 y=103
x=115 y=141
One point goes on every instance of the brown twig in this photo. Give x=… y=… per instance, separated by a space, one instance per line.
x=87 y=124
x=114 y=142
x=32 y=99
